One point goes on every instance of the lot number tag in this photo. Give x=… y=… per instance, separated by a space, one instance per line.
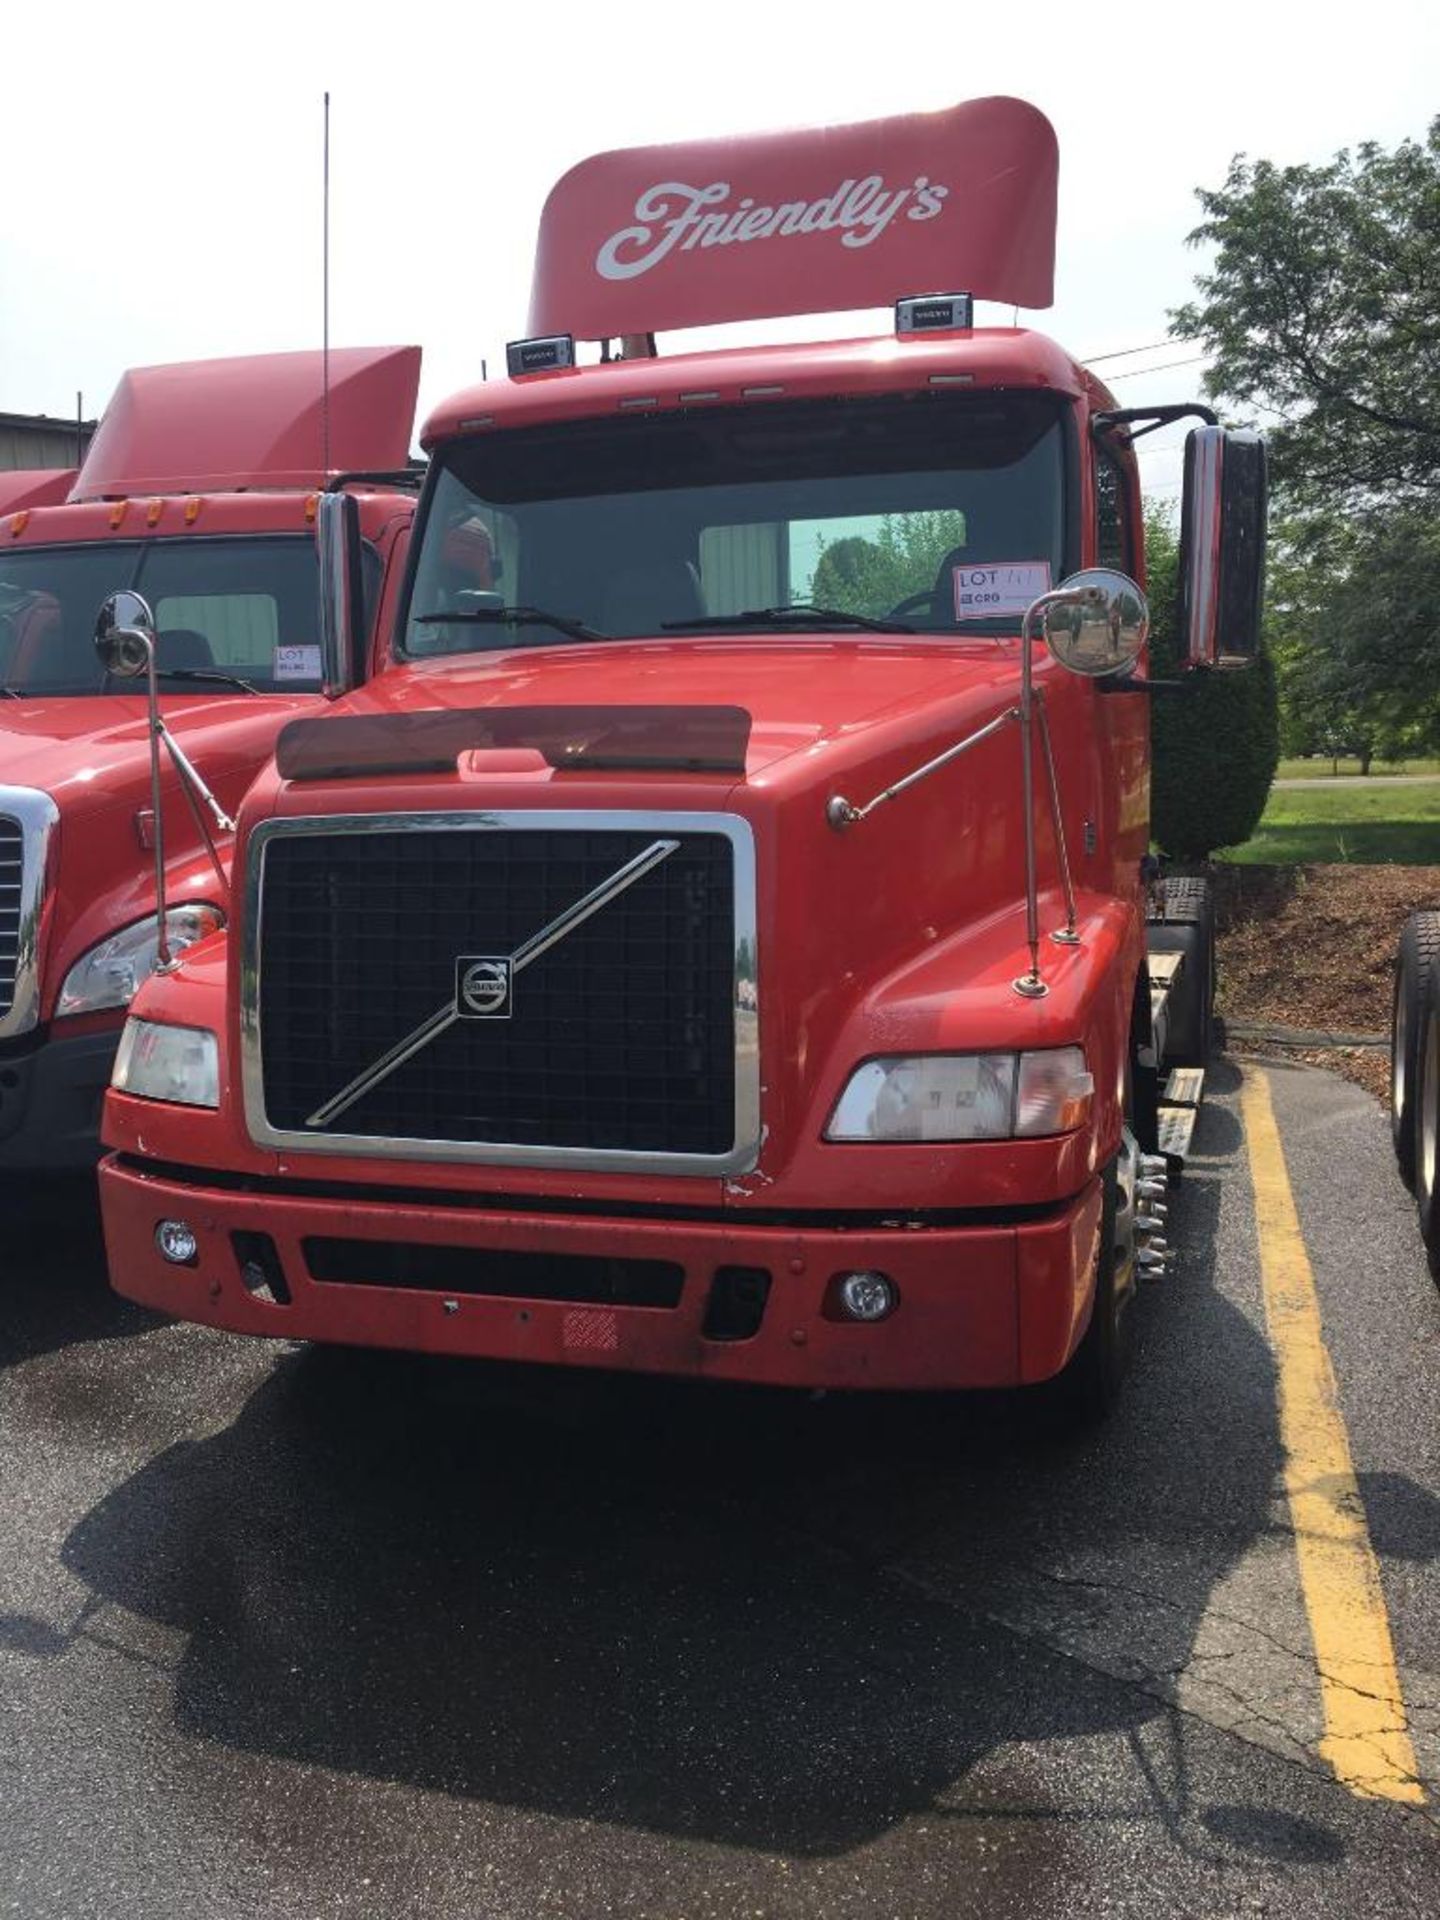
x=998 y=590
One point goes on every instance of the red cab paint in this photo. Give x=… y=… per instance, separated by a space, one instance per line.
x=549 y=1027
x=199 y=489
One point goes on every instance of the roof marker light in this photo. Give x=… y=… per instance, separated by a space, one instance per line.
x=642 y=400
x=156 y=508
x=19 y=522
x=691 y=399
x=192 y=511
x=540 y=356
x=117 y=513
x=477 y=420
x=935 y=313
x=759 y=393
x=952 y=380
x=312 y=502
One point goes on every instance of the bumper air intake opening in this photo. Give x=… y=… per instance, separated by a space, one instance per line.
x=499 y=1273
x=261 y=1272
x=737 y=1303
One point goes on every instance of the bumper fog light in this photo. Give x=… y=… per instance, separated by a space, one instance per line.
x=867 y=1296
x=177 y=1242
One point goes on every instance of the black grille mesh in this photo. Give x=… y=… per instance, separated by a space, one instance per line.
x=11 y=878
x=621 y=1037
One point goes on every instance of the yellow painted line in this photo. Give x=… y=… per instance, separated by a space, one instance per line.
x=1367 y=1740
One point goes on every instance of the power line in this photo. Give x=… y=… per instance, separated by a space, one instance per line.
x=1138 y=373
x=1126 y=353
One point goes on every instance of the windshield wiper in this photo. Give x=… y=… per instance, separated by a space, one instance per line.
x=511 y=617
x=13 y=692
x=801 y=614
x=203 y=673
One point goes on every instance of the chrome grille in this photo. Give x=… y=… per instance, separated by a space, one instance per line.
x=630 y=1040
x=27 y=819
x=12 y=888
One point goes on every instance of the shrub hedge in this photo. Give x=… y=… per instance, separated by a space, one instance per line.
x=1214 y=747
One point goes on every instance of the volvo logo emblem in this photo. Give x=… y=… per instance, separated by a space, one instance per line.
x=482 y=987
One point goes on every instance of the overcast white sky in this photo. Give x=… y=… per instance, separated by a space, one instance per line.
x=161 y=165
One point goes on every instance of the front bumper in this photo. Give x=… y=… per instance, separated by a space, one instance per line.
x=990 y=1304
x=50 y=1100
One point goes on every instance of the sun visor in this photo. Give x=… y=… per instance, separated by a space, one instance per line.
x=35 y=487
x=819 y=220
x=636 y=738
x=219 y=426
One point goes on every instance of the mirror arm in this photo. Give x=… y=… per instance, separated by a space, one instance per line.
x=842 y=813
x=1067 y=937
x=156 y=729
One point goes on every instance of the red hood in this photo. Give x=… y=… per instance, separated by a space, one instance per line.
x=85 y=750
x=801 y=693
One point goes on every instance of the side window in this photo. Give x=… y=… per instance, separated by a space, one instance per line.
x=1114 y=543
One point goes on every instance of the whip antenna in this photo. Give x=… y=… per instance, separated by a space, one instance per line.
x=325 y=305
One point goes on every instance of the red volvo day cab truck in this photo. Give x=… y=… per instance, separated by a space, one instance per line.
x=725 y=947
x=202 y=489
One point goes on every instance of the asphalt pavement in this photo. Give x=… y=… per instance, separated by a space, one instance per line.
x=291 y=1633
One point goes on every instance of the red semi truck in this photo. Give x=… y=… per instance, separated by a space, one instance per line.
x=727 y=945
x=202 y=487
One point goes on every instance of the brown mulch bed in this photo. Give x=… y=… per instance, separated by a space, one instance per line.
x=1314 y=947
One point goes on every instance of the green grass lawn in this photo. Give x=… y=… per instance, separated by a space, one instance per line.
x=1322 y=769
x=1351 y=822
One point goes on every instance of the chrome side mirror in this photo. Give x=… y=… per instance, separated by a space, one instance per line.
x=1097 y=622
x=342 y=594
x=125 y=634
x=1222 y=546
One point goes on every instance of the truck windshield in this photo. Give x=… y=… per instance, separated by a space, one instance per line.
x=242 y=606
x=647 y=525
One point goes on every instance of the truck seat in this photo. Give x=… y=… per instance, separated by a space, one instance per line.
x=182 y=647
x=642 y=599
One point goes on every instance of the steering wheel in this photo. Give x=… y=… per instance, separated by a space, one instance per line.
x=912 y=603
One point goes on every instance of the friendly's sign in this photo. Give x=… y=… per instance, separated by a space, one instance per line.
x=816 y=221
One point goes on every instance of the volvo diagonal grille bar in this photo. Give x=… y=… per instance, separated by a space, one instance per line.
x=529 y=950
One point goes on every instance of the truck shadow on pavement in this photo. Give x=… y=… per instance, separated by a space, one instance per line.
x=54 y=1291
x=738 y=1617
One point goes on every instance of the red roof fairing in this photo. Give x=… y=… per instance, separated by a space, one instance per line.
x=210 y=426
x=810 y=221
x=34 y=487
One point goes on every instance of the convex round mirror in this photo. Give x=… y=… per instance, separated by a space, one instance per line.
x=124 y=633
x=1102 y=632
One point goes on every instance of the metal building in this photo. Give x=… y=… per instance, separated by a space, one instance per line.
x=40 y=440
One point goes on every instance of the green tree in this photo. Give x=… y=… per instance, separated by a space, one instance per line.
x=1323 y=310
x=1215 y=742
x=870 y=576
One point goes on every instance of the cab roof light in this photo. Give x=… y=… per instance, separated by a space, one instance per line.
x=540 y=356
x=153 y=512
x=311 y=507
x=117 y=513
x=192 y=511
x=935 y=313
x=19 y=522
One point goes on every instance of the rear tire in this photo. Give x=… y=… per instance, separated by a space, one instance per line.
x=1418 y=956
x=1426 y=1118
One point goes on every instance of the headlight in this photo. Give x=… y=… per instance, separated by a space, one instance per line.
x=180 y=1064
x=108 y=975
x=965 y=1096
